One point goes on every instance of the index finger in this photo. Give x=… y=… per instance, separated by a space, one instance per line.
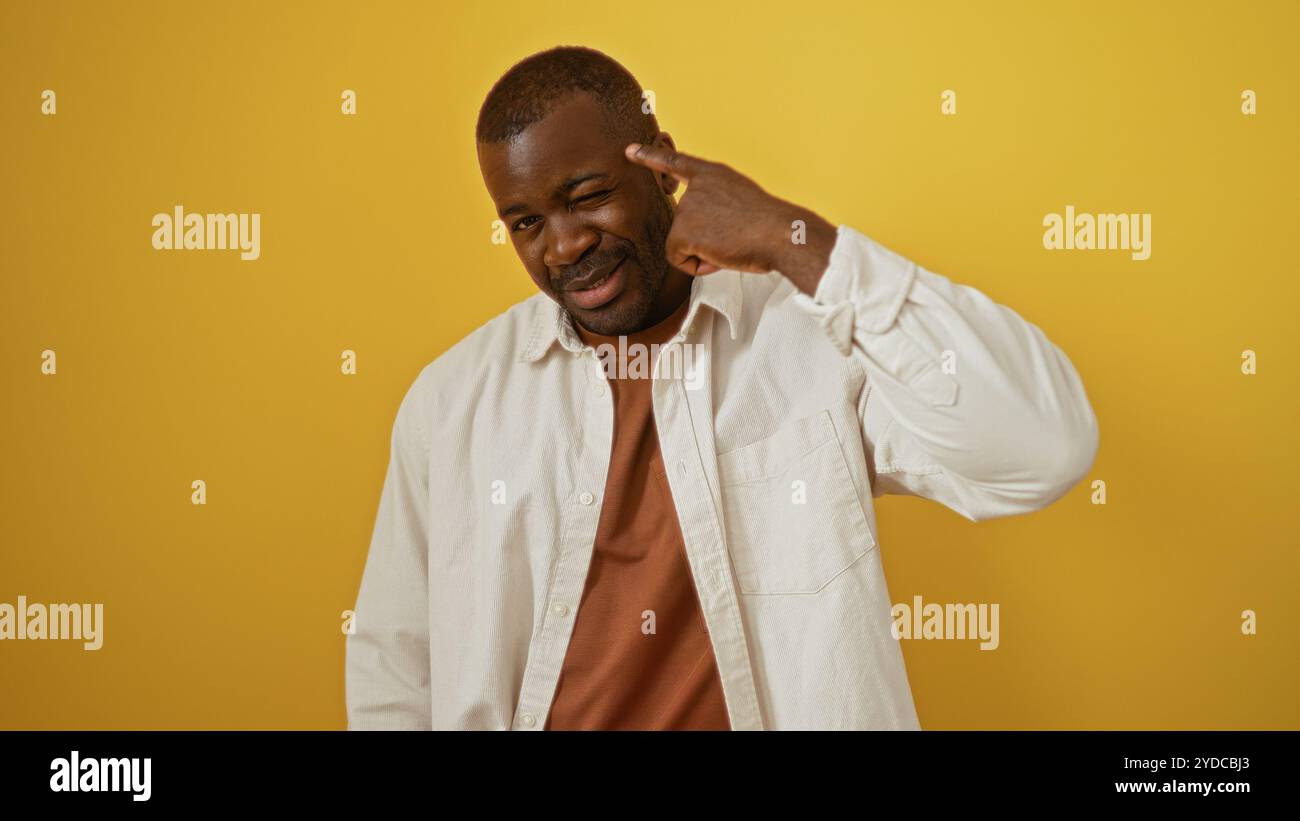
x=665 y=160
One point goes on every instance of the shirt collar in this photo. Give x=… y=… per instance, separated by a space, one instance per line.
x=720 y=291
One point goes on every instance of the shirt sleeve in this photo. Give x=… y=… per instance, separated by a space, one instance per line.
x=387 y=667
x=964 y=402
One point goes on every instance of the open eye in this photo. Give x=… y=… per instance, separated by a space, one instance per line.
x=523 y=223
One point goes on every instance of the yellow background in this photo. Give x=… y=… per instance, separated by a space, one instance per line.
x=175 y=366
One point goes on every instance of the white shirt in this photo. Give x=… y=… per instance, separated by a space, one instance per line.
x=892 y=379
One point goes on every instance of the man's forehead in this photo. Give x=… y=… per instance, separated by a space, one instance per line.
x=571 y=139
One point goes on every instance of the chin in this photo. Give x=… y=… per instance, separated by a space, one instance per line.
x=619 y=317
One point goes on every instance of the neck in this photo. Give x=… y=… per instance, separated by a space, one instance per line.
x=676 y=290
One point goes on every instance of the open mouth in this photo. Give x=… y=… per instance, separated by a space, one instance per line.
x=601 y=291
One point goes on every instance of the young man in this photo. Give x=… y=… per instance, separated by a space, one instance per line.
x=642 y=498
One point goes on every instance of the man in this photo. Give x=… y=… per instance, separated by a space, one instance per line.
x=568 y=540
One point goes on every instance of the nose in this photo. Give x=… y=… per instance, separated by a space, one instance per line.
x=567 y=241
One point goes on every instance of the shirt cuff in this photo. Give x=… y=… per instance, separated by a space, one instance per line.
x=863 y=288
x=870 y=276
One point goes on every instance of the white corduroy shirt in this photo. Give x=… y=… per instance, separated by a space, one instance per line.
x=890 y=379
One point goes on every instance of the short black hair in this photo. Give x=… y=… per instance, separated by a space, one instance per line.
x=531 y=89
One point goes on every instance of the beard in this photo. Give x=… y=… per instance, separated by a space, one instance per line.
x=631 y=311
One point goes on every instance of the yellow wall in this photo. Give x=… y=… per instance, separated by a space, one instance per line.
x=175 y=366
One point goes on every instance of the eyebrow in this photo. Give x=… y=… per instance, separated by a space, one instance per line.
x=564 y=188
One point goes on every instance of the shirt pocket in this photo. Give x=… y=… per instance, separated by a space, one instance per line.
x=793 y=517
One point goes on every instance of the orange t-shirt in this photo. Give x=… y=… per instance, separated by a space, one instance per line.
x=640 y=656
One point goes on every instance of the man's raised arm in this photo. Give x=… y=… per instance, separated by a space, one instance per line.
x=965 y=402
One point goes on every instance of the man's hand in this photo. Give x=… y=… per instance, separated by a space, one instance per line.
x=725 y=220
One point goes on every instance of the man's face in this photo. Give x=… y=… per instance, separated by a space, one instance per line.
x=588 y=225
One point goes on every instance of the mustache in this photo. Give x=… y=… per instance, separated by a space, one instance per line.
x=586 y=267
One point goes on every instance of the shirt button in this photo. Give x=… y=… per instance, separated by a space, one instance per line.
x=600 y=390
x=586 y=498
x=527 y=719
x=561 y=610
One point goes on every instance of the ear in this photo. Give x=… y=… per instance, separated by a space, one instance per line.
x=667 y=182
